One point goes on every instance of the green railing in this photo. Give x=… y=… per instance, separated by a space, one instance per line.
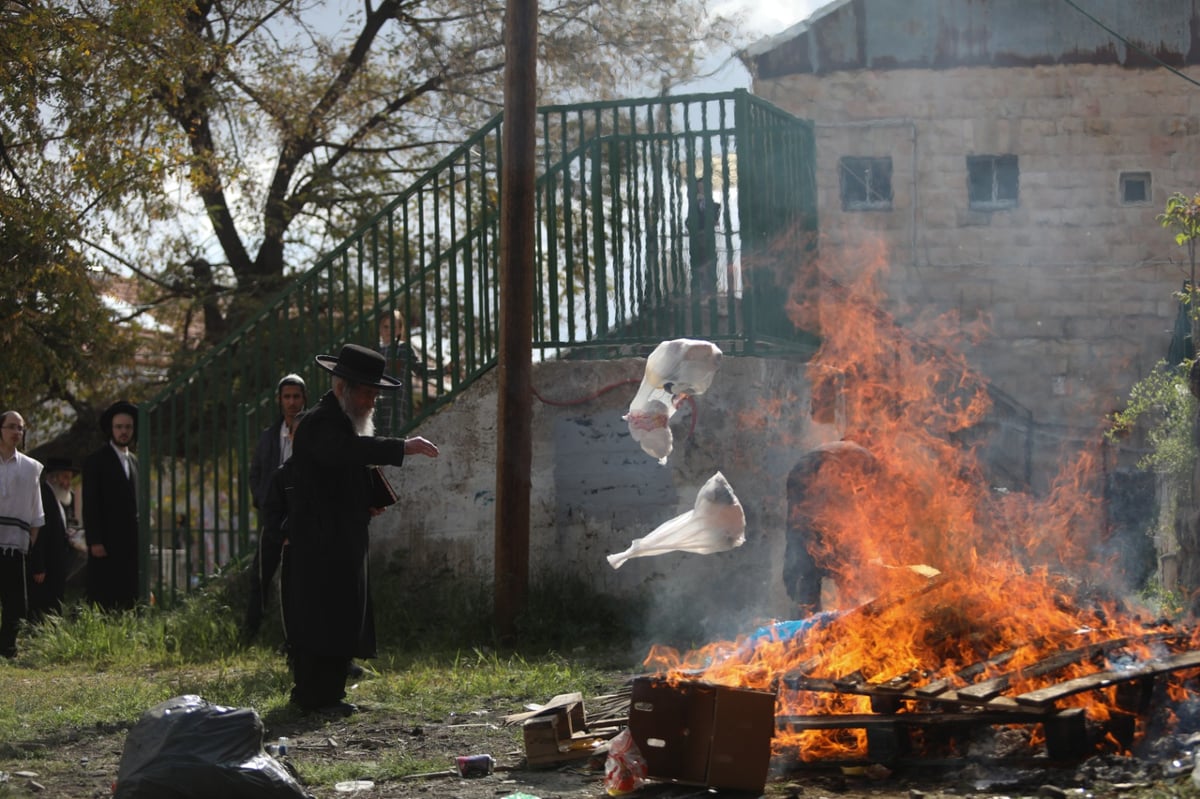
x=656 y=218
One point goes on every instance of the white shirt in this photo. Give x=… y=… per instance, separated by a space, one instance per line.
x=123 y=454
x=285 y=444
x=20 y=501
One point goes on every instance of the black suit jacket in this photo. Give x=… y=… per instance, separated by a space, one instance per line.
x=51 y=555
x=110 y=517
x=264 y=462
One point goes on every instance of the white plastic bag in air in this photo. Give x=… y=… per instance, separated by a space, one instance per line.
x=675 y=369
x=683 y=366
x=717 y=523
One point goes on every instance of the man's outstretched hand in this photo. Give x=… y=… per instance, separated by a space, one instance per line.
x=420 y=446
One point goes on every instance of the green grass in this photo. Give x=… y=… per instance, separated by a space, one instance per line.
x=95 y=671
x=390 y=766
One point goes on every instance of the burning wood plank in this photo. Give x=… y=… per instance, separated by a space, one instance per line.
x=1045 y=697
x=997 y=685
x=888 y=737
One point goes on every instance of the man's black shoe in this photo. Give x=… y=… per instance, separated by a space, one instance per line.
x=354 y=671
x=342 y=709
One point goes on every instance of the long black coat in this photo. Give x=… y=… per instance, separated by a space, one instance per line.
x=51 y=554
x=264 y=462
x=110 y=517
x=326 y=591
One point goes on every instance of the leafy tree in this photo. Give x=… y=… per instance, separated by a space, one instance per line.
x=1163 y=406
x=61 y=346
x=1182 y=214
x=58 y=342
x=210 y=147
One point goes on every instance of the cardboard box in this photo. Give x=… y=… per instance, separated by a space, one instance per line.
x=556 y=732
x=703 y=734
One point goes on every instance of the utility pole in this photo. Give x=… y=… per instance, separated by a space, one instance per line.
x=514 y=414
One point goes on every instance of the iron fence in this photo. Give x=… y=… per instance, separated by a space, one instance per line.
x=655 y=220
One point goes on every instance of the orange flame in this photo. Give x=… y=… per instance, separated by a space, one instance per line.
x=1011 y=568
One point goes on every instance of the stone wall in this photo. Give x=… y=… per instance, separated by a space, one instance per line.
x=1075 y=284
x=594 y=490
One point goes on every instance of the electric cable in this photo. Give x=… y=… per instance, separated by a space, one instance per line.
x=594 y=395
x=1131 y=45
x=588 y=398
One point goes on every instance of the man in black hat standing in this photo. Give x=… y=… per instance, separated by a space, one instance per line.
x=327 y=613
x=50 y=556
x=110 y=512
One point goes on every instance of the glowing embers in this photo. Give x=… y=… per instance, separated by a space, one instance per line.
x=944 y=670
x=911 y=717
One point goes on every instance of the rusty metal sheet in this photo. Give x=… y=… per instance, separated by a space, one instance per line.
x=939 y=34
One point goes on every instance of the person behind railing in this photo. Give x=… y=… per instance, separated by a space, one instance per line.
x=396 y=407
x=273 y=448
x=702 y=216
x=420 y=376
x=51 y=555
x=110 y=512
x=328 y=617
x=21 y=515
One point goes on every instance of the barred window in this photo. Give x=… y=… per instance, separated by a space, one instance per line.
x=866 y=183
x=992 y=182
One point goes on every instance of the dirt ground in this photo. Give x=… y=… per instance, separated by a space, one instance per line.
x=84 y=765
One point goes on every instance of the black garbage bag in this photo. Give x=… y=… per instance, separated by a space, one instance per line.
x=187 y=748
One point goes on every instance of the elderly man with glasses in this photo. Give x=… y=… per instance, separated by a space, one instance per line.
x=21 y=516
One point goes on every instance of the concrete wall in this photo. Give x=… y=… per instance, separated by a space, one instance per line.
x=1076 y=285
x=594 y=490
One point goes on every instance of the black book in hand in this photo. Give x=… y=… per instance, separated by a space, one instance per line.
x=382 y=493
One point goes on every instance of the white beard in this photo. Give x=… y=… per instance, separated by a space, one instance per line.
x=366 y=425
x=63 y=495
x=363 y=425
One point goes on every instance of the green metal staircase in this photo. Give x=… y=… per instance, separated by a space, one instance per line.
x=656 y=218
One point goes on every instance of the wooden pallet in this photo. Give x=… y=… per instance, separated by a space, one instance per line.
x=899 y=708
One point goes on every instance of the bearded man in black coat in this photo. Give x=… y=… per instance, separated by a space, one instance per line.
x=328 y=483
x=51 y=555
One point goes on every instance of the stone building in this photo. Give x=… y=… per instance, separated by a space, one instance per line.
x=1011 y=157
x=1007 y=159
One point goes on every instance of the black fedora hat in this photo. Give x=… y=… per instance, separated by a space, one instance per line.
x=359 y=365
x=120 y=406
x=59 y=465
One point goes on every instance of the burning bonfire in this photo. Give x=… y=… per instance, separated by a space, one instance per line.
x=952 y=596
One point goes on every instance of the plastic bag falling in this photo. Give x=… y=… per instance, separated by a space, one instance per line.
x=675 y=369
x=717 y=523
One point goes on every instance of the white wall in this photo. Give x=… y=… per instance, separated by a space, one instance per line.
x=594 y=490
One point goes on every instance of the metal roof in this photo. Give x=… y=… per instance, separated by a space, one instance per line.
x=939 y=34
